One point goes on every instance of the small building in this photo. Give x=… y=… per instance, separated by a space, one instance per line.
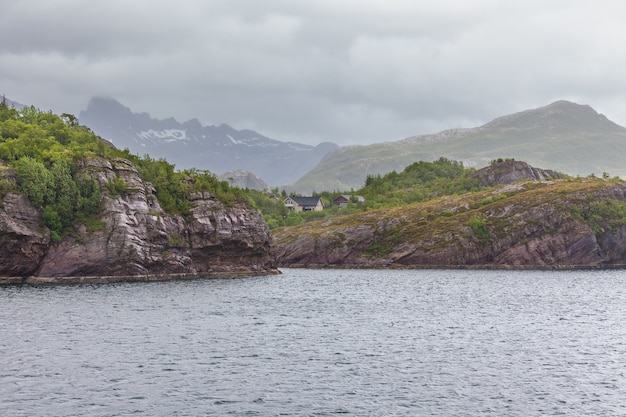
x=304 y=203
x=344 y=199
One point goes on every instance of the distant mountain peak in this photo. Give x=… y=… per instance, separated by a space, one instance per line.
x=566 y=136
x=556 y=115
x=190 y=144
x=565 y=104
x=108 y=103
x=97 y=100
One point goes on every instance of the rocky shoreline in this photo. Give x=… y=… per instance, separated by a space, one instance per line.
x=485 y=267
x=111 y=279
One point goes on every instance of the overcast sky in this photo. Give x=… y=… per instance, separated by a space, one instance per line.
x=347 y=71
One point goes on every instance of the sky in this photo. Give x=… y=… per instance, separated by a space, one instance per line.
x=345 y=71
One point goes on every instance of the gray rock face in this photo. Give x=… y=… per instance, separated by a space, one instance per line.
x=510 y=171
x=23 y=243
x=138 y=237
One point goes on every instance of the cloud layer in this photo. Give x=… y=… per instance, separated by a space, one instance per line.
x=345 y=71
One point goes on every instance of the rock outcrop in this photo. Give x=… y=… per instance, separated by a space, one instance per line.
x=134 y=239
x=510 y=171
x=23 y=243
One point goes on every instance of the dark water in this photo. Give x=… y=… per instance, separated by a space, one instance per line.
x=320 y=343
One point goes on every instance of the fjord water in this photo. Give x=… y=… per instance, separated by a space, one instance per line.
x=320 y=343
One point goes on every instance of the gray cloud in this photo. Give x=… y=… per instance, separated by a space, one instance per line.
x=349 y=71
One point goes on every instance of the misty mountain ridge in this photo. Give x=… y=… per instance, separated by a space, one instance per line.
x=244 y=179
x=191 y=145
x=554 y=119
x=564 y=136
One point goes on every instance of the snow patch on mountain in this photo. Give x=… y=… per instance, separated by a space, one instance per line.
x=297 y=148
x=167 y=135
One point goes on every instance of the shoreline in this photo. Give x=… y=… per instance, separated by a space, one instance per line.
x=462 y=267
x=111 y=279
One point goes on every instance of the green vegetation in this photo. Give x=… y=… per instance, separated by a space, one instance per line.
x=116 y=187
x=500 y=160
x=40 y=156
x=419 y=182
x=601 y=215
x=384 y=242
x=176 y=240
x=479 y=227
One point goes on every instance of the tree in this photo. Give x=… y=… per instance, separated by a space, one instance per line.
x=69 y=119
x=34 y=180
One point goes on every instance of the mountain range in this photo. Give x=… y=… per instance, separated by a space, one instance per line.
x=217 y=149
x=565 y=136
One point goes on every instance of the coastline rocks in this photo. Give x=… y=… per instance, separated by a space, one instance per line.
x=533 y=225
x=135 y=236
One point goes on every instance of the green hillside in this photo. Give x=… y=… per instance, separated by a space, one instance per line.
x=564 y=136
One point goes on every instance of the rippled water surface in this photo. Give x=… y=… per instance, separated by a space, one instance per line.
x=320 y=343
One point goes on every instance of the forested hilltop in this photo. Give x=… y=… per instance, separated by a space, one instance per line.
x=62 y=186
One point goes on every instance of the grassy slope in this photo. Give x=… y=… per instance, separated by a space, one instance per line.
x=503 y=210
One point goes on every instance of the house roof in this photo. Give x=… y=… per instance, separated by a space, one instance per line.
x=306 y=201
x=348 y=197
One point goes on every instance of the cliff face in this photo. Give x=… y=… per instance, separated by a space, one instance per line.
x=550 y=224
x=22 y=243
x=136 y=237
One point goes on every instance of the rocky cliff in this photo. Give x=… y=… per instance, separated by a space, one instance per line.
x=567 y=223
x=133 y=239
